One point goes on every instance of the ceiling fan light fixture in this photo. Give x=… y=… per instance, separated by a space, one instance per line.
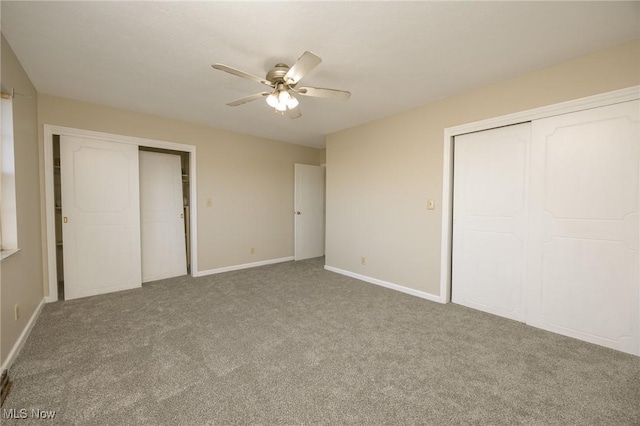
x=283 y=97
x=272 y=99
x=292 y=103
x=283 y=82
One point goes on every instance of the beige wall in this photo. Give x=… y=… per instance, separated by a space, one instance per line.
x=249 y=179
x=21 y=273
x=381 y=174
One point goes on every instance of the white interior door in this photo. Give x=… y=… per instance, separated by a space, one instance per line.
x=162 y=216
x=309 y=211
x=490 y=220
x=583 y=264
x=101 y=216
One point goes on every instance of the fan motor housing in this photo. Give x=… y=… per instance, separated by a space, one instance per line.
x=277 y=73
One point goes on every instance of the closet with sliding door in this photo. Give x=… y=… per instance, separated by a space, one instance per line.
x=120 y=215
x=546 y=224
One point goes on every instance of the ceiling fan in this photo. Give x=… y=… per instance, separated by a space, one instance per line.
x=283 y=81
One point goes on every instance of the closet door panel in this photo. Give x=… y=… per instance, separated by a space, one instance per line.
x=100 y=204
x=162 y=216
x=489 y=220
x=583 y=257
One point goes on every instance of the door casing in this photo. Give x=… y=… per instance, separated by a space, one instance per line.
x=50 y=238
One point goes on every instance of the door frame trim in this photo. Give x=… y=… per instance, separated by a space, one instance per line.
x=50 y=229
x=595 y=101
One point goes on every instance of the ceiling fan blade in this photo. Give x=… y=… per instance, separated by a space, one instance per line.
x=317 y=92
x=239 y=73
x=294 y=113
x=248 y=99
x=303 y=65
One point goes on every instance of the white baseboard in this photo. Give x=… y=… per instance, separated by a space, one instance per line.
x=243 y=266
x=23 y=337
x=392 y=286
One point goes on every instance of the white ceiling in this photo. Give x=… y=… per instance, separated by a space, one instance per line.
x=155 y=57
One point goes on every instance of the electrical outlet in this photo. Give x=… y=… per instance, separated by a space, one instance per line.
x=363 y=260
x=253 y=250
x=16 y=311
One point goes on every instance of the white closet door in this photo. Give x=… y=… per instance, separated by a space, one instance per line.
x=162 y=216
x=583 y=263
x=309 y=205
x=101 y=211
x=490 y=220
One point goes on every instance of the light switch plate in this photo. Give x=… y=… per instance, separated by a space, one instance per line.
x=431 y=204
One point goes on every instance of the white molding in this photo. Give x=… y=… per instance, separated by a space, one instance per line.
x=50 y=234
x=50 y=215
x=581 y=104
x=392 y=286
x=22 y=338
x=132 y=140
x=9 y=252
x=242 y=266
x=595 y=101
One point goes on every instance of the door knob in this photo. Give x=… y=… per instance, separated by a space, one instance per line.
x=298 y=212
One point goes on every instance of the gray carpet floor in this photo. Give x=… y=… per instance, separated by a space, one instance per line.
x=294 y=344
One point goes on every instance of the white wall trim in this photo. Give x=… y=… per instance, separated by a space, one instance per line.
x=243 y=266
x=392 y=286
x=11 y=357
x=9 y=252
x=609 y=98
x=50 y=232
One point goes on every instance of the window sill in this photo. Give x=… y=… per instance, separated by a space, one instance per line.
x=7 y=253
